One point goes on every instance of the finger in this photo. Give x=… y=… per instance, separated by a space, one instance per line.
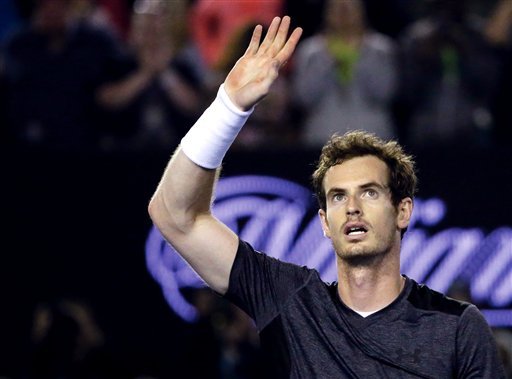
x=286 y=52
x=281 y=35
x=271 y=34
x=255 y=40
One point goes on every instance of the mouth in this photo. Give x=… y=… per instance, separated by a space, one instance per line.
x=355 y=229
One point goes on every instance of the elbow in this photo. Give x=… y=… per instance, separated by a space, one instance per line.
x=105 y=99
x=155 y=213
x=172 y=223
x=152 y=210
x=111 y=97
x=160 y=215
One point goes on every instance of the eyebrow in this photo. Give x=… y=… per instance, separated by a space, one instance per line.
x=374 y=184
x=362 y=186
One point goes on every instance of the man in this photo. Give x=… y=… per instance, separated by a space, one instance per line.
x=51 y=73
x=373 y=323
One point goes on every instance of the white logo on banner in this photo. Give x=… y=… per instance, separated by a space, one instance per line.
x=279 y=217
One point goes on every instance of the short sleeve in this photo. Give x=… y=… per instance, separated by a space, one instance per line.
x=477 y=352
x=261 y=285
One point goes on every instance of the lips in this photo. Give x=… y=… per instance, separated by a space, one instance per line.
x=354 y=229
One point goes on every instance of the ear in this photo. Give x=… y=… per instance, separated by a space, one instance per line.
x=404 y=212
x=323 y=220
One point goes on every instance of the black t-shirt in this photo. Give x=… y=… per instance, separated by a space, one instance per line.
x=307 y=332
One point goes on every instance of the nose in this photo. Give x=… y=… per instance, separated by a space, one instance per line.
x=353 y=207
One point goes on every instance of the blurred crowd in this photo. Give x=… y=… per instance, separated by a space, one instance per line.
x=67 y=341
x=135 y=74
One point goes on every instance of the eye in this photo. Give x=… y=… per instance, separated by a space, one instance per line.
x=338 y=197
x=371 y=193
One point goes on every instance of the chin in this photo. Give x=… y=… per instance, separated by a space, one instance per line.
x=359 y=254
x=353 y=250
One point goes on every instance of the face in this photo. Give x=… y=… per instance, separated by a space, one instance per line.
x=360 y=217
x=344 y=15
x=148 y=30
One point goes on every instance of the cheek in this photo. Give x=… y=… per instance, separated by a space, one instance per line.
x=385 y=217
x=330 y=225
x=335 y=216
x=392 y=222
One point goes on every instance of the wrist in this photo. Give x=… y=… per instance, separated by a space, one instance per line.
x=230 y=103
x=207 y=142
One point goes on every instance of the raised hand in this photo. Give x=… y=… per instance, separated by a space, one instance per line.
x=253 y=74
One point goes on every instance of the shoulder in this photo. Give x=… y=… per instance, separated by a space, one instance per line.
x=379 y=42
x=425 y=298
x=262 y=285
x=468 y=316
x=248 y=256
x=312 y=45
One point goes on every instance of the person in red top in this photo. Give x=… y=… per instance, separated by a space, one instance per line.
x=215 y=22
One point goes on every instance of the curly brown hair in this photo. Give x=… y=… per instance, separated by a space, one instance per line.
x=341 y=148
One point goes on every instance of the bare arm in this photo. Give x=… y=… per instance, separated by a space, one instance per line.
x=499 y=23
x=117 y=95
x=179 y=92
x=181 y=205
x=151 y=60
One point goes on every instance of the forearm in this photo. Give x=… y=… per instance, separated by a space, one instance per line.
x=115 y=95
x=179 y=92
x=186 y=187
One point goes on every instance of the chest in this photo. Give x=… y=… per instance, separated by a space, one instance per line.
x=321 y=339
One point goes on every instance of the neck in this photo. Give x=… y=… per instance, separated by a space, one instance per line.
x=370 y=286
x=348 y=34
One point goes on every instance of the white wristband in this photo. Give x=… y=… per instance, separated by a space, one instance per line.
x=208 y=141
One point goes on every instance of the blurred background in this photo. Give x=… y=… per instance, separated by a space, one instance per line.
x=96 y=95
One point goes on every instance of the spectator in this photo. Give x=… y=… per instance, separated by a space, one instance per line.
x=345 y=76
x=156 y=94
x=447 y=78
x=214 y=23
x=112 y=15
x=51 y=71
x=67 y=342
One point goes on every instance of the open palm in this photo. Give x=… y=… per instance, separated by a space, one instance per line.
x=253 y=74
